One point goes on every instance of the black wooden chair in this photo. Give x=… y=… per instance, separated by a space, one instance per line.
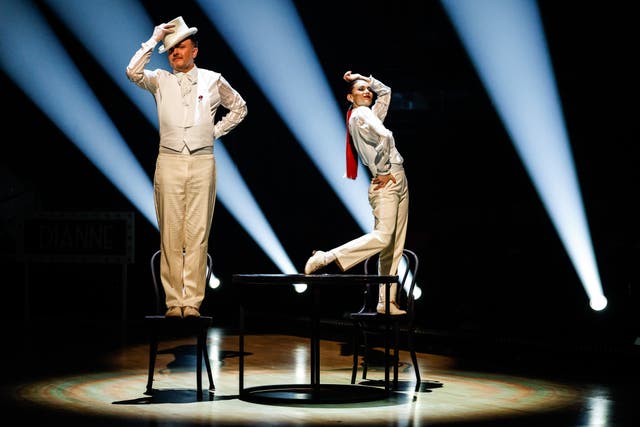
x=161 y=327
x=368 y=322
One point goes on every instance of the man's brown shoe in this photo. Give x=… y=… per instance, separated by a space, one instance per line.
x=190 y=312
x=173 y=312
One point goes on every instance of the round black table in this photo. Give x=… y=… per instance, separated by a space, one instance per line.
x=314 y=391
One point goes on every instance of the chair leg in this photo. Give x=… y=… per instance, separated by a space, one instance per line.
x=199 y=350
x=205 y=354
x=414 y=359
x=356 y=344
x=365 y=358
x=153 y=351
x=396 y=352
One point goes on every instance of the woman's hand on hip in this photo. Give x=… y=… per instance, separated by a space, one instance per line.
x=381 y=181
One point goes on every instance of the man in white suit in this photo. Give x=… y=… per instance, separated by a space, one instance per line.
x=187 y=99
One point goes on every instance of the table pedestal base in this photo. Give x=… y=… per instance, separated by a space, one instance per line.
x=305 y=393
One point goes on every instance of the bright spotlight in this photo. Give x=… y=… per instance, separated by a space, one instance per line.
x=300 y=287
x=214 y=282
x=598 y=303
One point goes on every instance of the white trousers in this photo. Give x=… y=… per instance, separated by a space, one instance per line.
x=184 y=195
x=390 y=206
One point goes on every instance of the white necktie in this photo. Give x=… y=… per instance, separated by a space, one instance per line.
x=185 y=83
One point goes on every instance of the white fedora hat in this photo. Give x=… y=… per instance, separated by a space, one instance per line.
x=180 y=32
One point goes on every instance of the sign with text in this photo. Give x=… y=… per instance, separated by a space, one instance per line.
x=102 y=237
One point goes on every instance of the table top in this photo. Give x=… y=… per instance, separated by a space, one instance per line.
x=312 y=279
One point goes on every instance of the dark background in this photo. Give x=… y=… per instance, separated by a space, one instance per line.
x=491 y=261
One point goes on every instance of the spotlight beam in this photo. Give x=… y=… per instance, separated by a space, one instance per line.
x=58 y=88
x=506 y=43
x=282 y=62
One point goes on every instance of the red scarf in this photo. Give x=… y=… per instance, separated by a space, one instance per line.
x=352 y=156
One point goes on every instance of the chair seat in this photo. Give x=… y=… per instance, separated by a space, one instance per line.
x=375 y=316
x=179 y=322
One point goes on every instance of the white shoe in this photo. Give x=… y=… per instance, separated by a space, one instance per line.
x=317 y=260
x=393 y=308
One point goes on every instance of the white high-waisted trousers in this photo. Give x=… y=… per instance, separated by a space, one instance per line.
x=184 y=195
x=390 y=206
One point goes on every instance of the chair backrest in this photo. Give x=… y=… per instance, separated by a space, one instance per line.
x=404 y=290
x=158 y=289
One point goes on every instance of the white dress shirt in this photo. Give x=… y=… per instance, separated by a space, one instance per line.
x=374 y=143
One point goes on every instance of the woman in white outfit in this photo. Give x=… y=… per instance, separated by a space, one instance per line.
x=388 y=191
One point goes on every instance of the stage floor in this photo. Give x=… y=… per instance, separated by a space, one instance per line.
x=78 y=385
